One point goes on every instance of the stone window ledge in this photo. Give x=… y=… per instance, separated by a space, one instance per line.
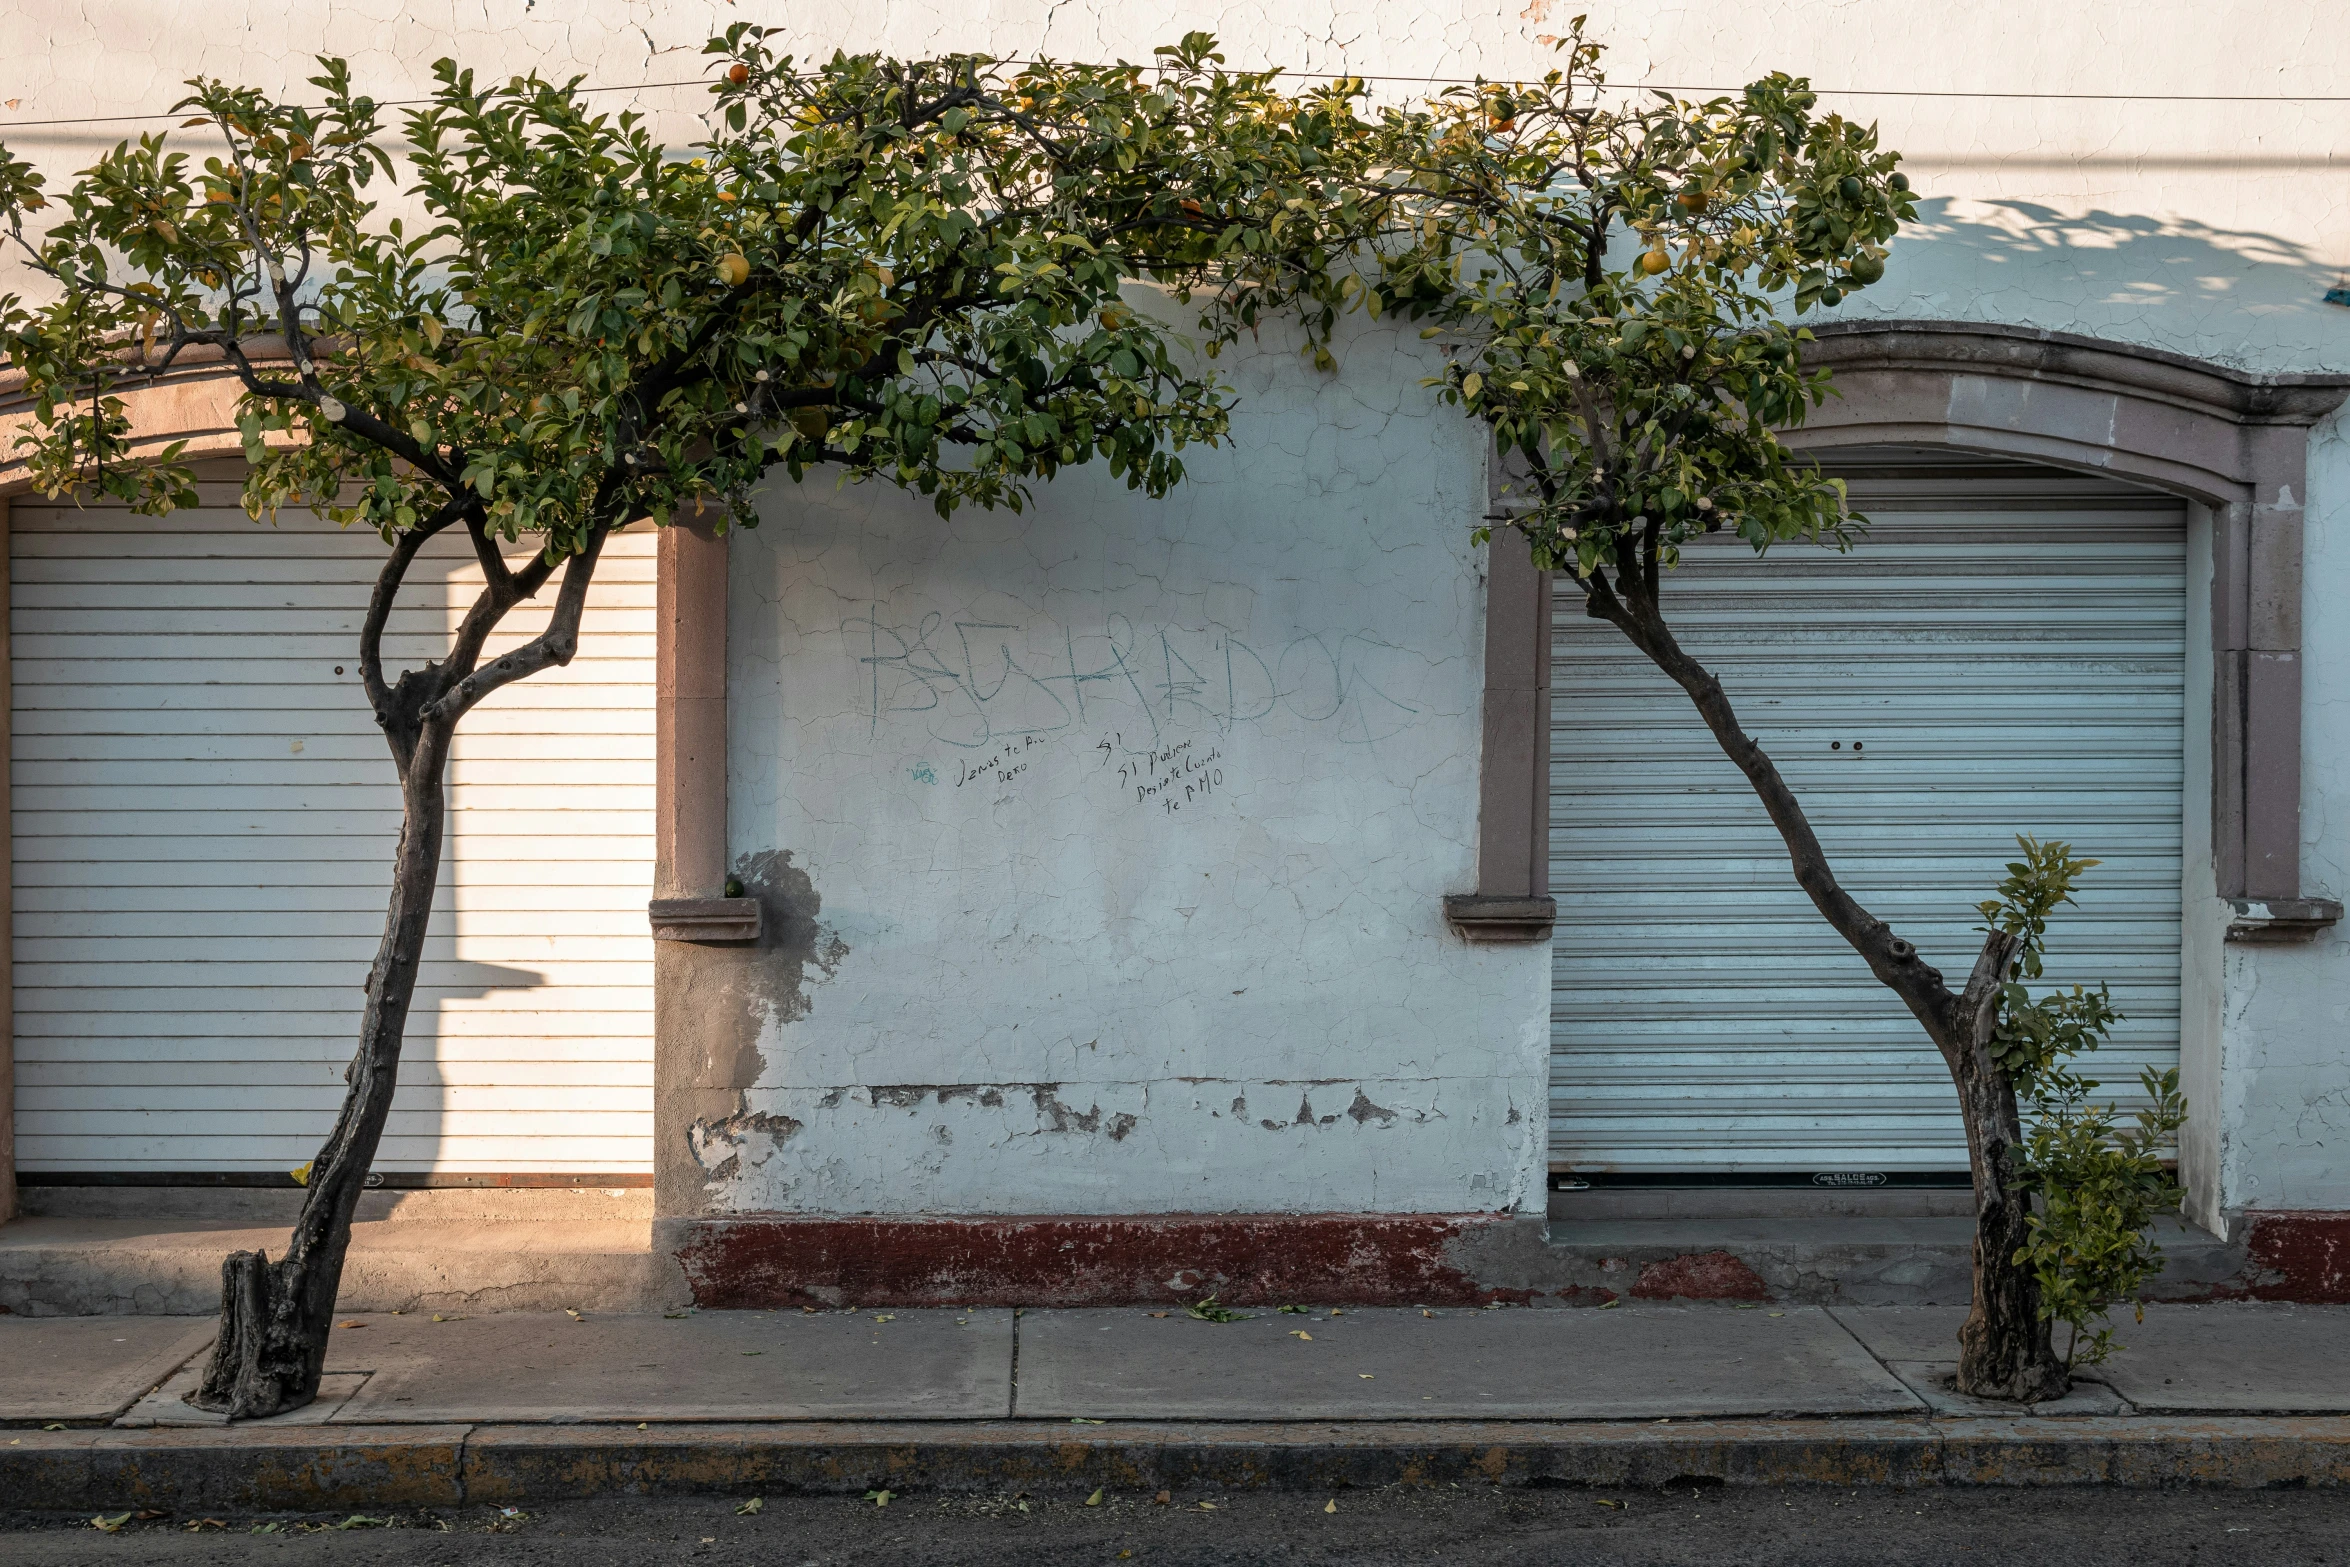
x=705 y=919
x=1489 y=920
x=2273 y=922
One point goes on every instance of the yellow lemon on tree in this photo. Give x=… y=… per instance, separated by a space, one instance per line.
x=810 y=422
x=1654 y=261
x=734 y=268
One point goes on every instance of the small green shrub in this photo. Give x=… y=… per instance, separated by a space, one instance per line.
x=2097 y=1182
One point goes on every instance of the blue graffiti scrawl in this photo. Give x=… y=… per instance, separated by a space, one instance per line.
x=975 y=689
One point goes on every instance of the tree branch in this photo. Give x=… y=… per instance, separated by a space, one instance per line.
x=379 y=606
x=1894 y=961
x=549 y=649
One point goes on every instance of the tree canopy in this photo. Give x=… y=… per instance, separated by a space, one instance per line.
x=538 y=323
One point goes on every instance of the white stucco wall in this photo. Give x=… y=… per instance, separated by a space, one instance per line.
x=1134 y=819
x=2205 y=228
x=2284 y=1116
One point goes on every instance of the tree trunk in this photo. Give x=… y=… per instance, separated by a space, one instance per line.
x=2005 y=1350
x=275 y=1317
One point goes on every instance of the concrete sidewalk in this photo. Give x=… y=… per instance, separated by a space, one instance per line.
x=420 y=1406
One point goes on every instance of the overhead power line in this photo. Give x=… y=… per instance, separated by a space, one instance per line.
x=1826 y=92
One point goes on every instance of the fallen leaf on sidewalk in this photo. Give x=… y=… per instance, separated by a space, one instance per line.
x=885 y=1319
x=1095 y=1500
x=573 y=1315
x=1608 y=1304
x=1604 y=1502
x=1365 y=1375
x=1301 y=1333
x=1425 y=1312
x=1293 y=1311
x=1080 y=1420
x=204 y=1523
x=54 y=1425
x=109 y=1525
x=362 y=1521
x=1164 y=1498
x=354 y=1323
x=879 y=1498
x=1331 y=1506
x=1208 y=1311
x=1334 y=1311
x=437 y=1317
x=751 y=1508
x=1207 y=1507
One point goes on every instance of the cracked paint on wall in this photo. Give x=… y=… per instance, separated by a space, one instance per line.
x=2210 y=229
x=1136 y=818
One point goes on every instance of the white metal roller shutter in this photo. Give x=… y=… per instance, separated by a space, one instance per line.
x=2003 y=653
x=204 y=818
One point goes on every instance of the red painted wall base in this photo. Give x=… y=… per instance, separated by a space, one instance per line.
x=2296 y=1256
x=768 y=1260
x=1250 y=1259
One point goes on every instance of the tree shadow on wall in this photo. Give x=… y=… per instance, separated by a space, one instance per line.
x=2236 y=296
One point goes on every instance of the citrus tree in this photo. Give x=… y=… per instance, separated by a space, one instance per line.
x=904 y=271
x=1618 y=284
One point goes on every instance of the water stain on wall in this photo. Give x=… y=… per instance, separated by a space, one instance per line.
x=724 y=998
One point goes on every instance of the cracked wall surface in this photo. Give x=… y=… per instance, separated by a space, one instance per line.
x=1135 y=819
x=1043 y=897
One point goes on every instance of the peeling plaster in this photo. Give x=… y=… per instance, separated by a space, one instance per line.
x=720 y=1146
x=989 y=944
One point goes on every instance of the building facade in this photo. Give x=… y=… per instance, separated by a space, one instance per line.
x=1268 y=889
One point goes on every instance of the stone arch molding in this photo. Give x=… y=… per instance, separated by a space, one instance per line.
x=2230 y=440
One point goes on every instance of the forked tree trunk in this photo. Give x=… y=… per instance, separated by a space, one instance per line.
x=2005 y=1348
x=275 y=1317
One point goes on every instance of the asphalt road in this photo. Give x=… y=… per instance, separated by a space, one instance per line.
x=1800 y=1528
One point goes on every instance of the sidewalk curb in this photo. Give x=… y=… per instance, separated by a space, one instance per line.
x=326 y=1467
